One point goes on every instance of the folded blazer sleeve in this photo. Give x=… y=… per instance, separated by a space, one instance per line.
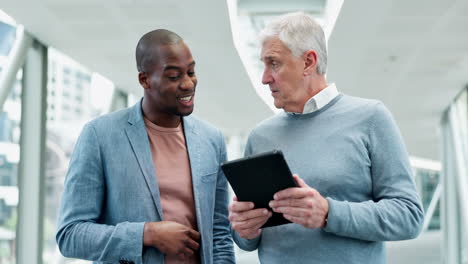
x=222 y=243
x=79 y=233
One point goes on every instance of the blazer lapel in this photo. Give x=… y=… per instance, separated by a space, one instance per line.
x=138 y=137
x=192 y=140
x=193 y=146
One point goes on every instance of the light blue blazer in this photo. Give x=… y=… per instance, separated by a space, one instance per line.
x=111 y=190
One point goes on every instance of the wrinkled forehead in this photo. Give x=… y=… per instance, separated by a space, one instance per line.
x=273 y=47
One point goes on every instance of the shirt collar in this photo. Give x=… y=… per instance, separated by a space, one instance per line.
x=319 y=100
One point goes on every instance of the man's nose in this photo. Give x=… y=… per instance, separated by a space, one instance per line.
x=187 y=83
x=266 y=78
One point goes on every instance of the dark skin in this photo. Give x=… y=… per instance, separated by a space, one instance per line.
x=167 y=82
x=169 y=88
x=171 y=238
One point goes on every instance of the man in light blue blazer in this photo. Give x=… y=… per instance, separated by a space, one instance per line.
x=117 y=205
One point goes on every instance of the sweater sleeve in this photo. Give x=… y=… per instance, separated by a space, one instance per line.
x=395 y=213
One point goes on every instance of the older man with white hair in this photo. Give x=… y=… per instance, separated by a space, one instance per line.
x=355 y=186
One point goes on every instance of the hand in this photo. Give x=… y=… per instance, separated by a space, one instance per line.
x=171 y=238
x=247 y=221
x=301 y=205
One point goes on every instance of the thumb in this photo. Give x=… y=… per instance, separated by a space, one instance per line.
x=300 y=182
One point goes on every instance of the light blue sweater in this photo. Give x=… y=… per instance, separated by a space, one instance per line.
x=353 y=154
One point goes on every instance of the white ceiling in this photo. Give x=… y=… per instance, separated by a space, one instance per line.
x=412 y=55
x=102 y=35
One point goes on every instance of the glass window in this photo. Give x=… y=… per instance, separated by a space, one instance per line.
x=10 y=118
x=63 y=128
x=8 y=37
x=428 y=181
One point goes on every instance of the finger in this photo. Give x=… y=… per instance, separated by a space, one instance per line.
x=246 y=215
x=294 y=211
x=234 y=198
x=241 y=206
x=193 y=234
x=294 y=192
x=185 y=254
x=254 y=231
x=188 y=252
x=295 y=219
x=300 y=182
x=192 y=244
x=249 y=224
x=302 y=203
x=259 y=225
x=250 y=234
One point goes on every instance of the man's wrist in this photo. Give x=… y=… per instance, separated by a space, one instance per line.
x=148 y=234
x=257 y=235
x=325 y=221
x=326 y=208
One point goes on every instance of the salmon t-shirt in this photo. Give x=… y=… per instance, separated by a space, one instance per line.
x=172 y=165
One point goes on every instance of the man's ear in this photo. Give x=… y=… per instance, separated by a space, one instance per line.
x=143 y=79
x=310 y=59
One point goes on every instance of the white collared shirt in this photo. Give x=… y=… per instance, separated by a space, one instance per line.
x=319 y=100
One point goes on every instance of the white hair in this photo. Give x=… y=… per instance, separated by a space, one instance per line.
x=300 y=33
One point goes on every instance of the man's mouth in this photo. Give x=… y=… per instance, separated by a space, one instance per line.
x=186 y=98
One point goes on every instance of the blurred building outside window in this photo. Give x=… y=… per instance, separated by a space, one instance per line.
x=427 y=175
x=75 y=96
x=10 y=118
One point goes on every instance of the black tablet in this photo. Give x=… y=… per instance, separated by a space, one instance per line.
x=257 y=178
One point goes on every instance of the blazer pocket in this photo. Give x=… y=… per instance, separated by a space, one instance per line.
x=209 y=177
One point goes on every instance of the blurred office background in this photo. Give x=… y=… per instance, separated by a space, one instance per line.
x=63 y=63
